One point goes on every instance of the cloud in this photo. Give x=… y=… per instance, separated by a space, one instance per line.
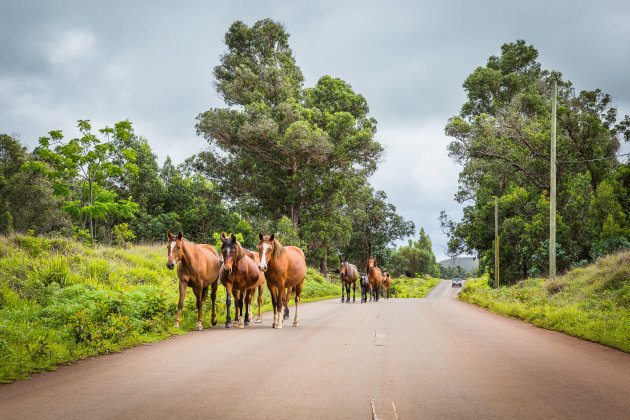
x=69 y=45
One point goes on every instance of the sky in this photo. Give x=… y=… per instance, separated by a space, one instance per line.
x=151 y=62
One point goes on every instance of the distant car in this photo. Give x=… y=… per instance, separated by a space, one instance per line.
x=456 y=282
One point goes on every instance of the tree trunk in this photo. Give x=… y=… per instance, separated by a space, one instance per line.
x=323 y=264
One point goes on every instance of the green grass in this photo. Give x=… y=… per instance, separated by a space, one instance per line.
x=412 y=287
x=592 y=303
x=61 y=300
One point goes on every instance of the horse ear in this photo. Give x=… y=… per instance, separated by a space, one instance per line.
x=168 y=235
x=273 y=235
x=233 y=238
x=260 y=236
x=180 y=235
x=223 y=235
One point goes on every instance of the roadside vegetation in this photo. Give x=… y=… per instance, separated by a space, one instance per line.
x=592 y=303
x=62 y=300
x=413 y=287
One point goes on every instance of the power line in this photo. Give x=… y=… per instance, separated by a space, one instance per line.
x=593 y=160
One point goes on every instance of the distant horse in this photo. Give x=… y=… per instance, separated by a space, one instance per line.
x=365 y=288
x=241 y=277
x=198 y=268
x=375 y=279
x=349 y=275
x=284 y=268
x=387 y=281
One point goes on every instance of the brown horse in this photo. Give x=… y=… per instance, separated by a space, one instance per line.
x=349 y=275
x=198 y=268
x=284 y=268
x=241 y=277
x=375 y=279
x=387 y=281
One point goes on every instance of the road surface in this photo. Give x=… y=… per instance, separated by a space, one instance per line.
x=399 y=358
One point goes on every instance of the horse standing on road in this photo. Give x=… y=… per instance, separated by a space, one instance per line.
x=241 y=277
x=349 y=275
x=387 y=281
x=284 y=267
x=365 y=288
x=375 y=278
x=198 y=268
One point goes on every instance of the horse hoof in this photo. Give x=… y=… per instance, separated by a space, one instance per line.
x=279 y=326
x=198 y=328
x=259 y=321
x=213 y=322
x=341 y=300
x=241 y=326
x=228 y=325
x=295 y=323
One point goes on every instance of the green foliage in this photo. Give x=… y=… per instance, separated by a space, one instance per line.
x=412 y=287
x=590 y=302
x=124 y=236
x=416 y=258
x=501 y=137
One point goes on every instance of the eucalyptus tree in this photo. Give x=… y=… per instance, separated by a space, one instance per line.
x=501 y=138
x=278 y=147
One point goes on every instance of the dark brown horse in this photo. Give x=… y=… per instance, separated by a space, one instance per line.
x=285 y=268
x=198 y=268
x=387 y=281
x=241 y=277
x=349 y=275
x=375 y=278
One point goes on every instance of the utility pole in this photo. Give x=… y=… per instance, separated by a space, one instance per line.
x=496 y=242
x=552 y=193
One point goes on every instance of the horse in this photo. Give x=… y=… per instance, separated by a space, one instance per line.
x=241 y=277
x=284 y=268
x=375 y=279
x=198 y=268
x=387 y=281
x=349 y=275
x=365 y=288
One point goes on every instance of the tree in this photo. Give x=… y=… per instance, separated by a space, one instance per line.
x=501 y=138
x=82 y=171
x=280 y=149
x=416 y=258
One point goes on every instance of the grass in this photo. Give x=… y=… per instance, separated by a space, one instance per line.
x=592 y=303
x=61 y=301
x=412 y=287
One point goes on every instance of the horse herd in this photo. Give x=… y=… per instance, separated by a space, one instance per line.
x=244 y=272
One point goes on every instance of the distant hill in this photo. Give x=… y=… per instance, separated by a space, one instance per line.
x=467 y=263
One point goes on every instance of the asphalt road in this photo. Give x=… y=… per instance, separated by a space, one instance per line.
x=399 y=358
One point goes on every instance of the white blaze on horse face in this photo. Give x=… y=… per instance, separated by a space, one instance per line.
x=173 y=246
x=263 y=259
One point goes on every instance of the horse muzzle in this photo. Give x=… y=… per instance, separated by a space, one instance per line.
x=170 y=265
x=262 y=267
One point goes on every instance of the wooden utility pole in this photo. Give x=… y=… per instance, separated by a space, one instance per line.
x=496 y=242
x=552 y=193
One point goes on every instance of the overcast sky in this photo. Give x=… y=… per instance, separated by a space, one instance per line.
x=151 y=62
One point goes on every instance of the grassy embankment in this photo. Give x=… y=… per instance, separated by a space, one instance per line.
x=592 y=303
x=61 y=300
x=413 y=287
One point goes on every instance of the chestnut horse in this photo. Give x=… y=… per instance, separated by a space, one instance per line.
x=349 y=275
x=375 y=279
x=284 y=268
x=387 y=281
x=241 y=277
x=365 y=288
x=198 y=268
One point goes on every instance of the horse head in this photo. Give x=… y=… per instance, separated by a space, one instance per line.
x=371 y=262
x=174 y=248
x=230 y=250
x=343 y=266
x=265 y=250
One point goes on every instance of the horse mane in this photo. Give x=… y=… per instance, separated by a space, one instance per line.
x=278 y=248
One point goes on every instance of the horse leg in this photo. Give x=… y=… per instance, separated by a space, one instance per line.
x=248 y=309
x=348 y=293
x=199 y=296
x=298 y=292
x=238 y=306
x=342 y=287
x=228 y=292
x=180 y=305
x=281 y=298
x=213 y=298
x=286 y=303
x=274 y=303
x=260 y=292
x=354 y=292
